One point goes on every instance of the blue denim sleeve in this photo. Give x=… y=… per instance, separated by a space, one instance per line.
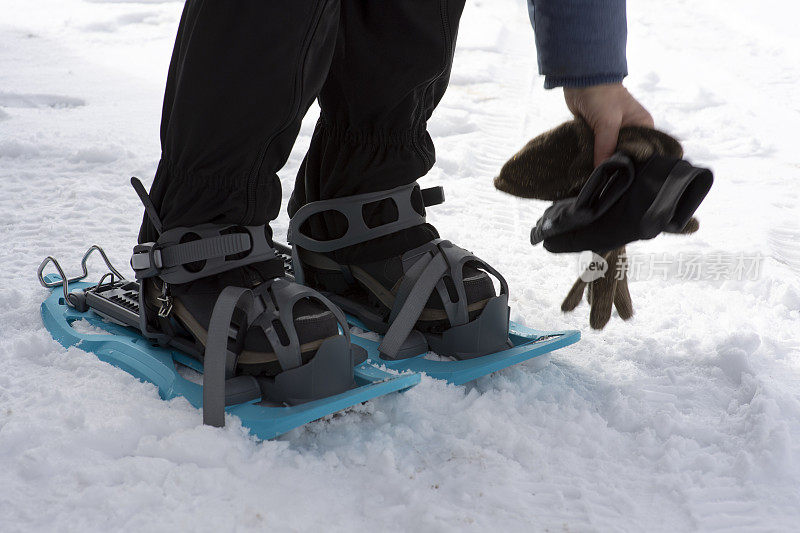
x=580 y=42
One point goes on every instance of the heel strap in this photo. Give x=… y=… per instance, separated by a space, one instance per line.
x=351 y=207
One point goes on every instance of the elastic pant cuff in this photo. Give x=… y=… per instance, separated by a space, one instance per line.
x=343 y=133
x=189 y=199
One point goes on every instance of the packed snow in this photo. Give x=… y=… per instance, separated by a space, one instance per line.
x=686 y=418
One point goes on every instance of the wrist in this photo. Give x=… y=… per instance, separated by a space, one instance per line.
x=594 y=89
x=577 y=82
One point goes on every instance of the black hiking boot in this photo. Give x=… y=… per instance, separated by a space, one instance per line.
x=437 y=291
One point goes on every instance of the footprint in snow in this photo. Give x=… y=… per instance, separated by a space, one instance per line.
x=22 y=100
x=109 y=26
x=784 y=242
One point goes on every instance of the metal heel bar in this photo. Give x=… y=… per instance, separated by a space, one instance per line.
x=65 y=281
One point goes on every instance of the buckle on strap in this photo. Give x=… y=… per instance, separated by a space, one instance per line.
x=215 y=250
x=156 y=256
x=146 y=260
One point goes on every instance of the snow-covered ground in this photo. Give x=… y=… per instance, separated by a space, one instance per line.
x=686 y=418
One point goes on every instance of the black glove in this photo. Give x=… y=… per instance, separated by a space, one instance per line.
x=644 y=189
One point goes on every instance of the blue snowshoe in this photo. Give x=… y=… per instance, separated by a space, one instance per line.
x=214 y=299
x=277 y=353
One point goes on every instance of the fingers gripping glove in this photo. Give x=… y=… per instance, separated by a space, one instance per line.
x=644 y=189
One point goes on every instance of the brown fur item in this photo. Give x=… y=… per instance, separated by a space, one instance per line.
x=555 y=165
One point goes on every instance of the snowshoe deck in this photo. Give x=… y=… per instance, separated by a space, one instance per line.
x=125 y=348
x=528 y=344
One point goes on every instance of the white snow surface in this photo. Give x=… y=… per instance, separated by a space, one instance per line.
x=686 y=418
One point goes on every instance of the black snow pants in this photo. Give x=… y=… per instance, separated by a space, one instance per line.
x=242 y=76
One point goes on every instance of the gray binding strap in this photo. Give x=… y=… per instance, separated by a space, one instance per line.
x=436 y=260
x=215 y=250
x=413 y=306
x=297 y=266
x=279 y=307
x=410 y=278
x=457 y=312
x=352 y=208
x=289 y=355
x=209 y=248
x=217 y=356
x=203 y=249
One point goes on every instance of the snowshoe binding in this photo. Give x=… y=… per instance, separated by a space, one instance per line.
x=435 y=298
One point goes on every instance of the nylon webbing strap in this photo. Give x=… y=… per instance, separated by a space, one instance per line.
x=425 y=269
x=217 y=353
x=149 y=208
x=203 y=249
x=410 y=279
x=456 y=258
x=413 y=306
x=279 y=298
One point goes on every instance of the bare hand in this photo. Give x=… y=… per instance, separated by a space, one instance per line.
x=606 y=108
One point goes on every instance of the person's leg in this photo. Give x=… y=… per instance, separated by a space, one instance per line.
x=241 y=78
x=390 y=70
